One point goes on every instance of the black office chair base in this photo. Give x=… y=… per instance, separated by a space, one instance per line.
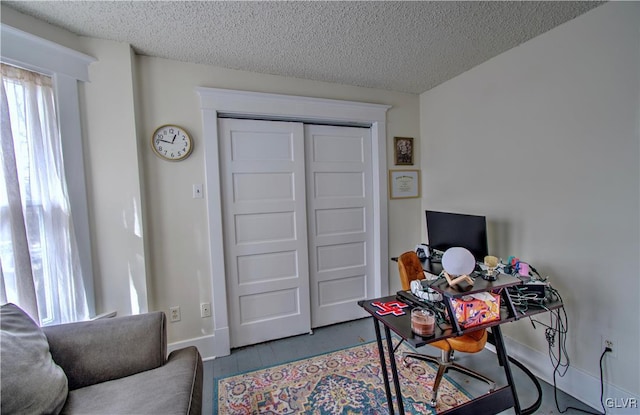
x=444 y=364
x=418 y=356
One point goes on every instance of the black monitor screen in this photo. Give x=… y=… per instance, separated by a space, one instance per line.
x=446 y=230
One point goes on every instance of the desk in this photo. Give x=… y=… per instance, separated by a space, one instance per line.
x=491 y=403
x=432 y=267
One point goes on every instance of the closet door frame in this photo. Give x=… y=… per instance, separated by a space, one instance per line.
x=215 y=102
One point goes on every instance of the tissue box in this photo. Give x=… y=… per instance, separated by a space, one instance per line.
x=475 y=309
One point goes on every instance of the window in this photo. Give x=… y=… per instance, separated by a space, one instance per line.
x=34 y=204
x=40 y=84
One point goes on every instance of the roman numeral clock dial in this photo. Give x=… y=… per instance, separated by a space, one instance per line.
x=171 y=142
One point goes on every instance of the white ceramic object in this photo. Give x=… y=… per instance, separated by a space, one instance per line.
x=458 y=261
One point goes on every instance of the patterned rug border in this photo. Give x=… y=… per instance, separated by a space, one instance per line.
x=217 y=379
x=244 y=372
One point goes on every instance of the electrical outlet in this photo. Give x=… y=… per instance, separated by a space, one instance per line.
x=611 y=344
x=174 y=314
x=205 y=310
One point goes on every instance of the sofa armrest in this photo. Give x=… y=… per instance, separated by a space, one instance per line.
x=191 y=391
x=91 y=352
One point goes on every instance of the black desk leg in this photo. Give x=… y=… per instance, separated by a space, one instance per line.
x=394 y=370
x=452 y=316
x=383 y=364
x=502 y=357
x=491 y=339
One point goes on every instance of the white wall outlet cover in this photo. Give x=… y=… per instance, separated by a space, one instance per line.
x=458 y=261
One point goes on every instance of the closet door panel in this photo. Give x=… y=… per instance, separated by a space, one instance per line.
x=339 y=206
x=265 y=229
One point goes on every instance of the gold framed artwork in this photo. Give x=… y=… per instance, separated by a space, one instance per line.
x=403 y=151
x=404 y=184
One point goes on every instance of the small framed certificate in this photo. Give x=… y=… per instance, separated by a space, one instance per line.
x=404 y=184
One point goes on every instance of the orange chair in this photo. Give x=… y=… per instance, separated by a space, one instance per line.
x=410 y=269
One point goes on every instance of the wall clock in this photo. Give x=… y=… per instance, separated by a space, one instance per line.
x=171 y=142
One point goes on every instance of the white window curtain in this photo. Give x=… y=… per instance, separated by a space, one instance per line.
x=39 y=263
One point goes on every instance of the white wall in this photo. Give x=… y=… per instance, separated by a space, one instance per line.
x=178 y=224
x=111 y=166
x=114 y=181
x=149 y=235
x=549 y=139
x=544 y=141
x=39 y=28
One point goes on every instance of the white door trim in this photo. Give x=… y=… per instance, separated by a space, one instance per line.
x=214 y=101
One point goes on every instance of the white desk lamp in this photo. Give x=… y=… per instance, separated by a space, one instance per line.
x=458 y=263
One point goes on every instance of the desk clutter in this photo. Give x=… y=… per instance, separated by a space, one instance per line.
x=470 y=310
x=437 y=307
x=474 y=293
x=454 y=293
x=454 y=265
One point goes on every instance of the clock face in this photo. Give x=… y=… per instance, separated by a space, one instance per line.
x=171 y=142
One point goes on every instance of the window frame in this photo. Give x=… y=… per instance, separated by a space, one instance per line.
x=66 y=67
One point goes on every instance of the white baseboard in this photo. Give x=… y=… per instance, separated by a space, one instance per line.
x=210 y=346
x=579 y=384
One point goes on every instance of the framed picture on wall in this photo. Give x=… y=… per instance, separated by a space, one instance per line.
x=404 y=184
x=403 y=151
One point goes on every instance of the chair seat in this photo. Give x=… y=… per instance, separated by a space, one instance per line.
x=468 y=343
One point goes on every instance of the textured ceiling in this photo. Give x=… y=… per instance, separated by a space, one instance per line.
x=400 y=46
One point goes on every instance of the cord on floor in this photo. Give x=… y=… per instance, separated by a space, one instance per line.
x=559 y=327
x=604 y=411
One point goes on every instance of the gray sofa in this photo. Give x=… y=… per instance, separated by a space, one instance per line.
x=112 y=366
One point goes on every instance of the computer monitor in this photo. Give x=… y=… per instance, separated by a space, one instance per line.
x=446 y=230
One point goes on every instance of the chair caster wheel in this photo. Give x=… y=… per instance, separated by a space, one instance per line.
x=406 y=362
x=432 y=403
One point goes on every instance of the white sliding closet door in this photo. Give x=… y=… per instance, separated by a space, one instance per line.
x=340 y=212
x=265 y=229
x=298 y=220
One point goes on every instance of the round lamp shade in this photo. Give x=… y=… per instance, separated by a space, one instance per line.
x=458 y=261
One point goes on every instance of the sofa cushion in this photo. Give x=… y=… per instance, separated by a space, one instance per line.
x=175 y=388
x=96 y=351
x=32 y=383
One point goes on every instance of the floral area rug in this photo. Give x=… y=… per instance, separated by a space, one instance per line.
x=345 y=382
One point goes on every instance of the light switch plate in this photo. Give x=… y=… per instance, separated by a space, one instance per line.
x=197 y=191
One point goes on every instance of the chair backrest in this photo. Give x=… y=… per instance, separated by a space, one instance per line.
x=410 y=269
